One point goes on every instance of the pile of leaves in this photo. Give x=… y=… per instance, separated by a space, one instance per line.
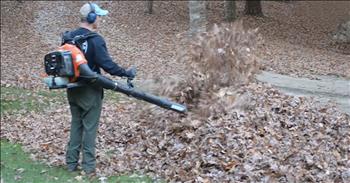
x=240 y=130
x=274 y=137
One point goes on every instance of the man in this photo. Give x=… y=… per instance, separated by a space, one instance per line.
x=86 y=101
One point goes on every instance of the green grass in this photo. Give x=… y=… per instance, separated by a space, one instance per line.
x=112 y=95
x=18 y=99
x=16 y=166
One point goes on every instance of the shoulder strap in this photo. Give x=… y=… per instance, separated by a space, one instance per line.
x=82 y=38
x=79 y=40
x=68 y=38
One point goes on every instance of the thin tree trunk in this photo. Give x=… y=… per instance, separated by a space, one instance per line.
x=197 y=11
x=149 y=6
x=253 y=8
x=230 y=10
x=342 y=34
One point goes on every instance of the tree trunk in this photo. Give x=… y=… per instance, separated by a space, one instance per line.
x=149 y=6
x=342 y=34
x=230 y=10
x=197 y=11
x=253 y=8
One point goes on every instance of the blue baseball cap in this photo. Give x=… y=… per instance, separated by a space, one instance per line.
x=86 y=9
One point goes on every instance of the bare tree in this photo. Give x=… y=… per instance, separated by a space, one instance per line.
x=253 y=8
x=230 y=10
x=149 y=6
x=207 y=5
x=197 y=11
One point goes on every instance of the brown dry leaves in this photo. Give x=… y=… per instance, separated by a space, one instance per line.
x=298 y=38
x=249 y=133
x=276 y=138
x=219 y=62
x=236 y=131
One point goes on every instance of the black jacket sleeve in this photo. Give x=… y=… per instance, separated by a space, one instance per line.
x=103 y=59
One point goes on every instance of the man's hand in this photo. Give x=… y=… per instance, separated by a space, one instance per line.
x=131 y=72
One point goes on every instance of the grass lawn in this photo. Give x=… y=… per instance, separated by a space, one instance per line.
x=16 y=166
x=18 y=99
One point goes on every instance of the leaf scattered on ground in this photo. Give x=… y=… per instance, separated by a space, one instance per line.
x=238 y=130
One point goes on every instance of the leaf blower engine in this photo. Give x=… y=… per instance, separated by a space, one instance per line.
x=67 y=67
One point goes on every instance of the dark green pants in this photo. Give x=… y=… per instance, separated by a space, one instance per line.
x=85 y=106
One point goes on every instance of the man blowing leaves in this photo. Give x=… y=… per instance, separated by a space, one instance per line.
x=86 y=101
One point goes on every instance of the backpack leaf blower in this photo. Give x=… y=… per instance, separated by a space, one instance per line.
x=68 y=68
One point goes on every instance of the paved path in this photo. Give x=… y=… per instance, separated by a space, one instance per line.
x=327 y=88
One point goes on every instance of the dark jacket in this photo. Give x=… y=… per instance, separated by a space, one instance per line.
x=96 y=53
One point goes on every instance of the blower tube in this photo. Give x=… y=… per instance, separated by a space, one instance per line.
x=96 y=79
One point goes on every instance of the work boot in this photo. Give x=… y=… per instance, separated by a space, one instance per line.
x=72 y=168
x=90 y=174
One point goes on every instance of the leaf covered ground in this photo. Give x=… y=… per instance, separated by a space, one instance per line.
x=237 y=130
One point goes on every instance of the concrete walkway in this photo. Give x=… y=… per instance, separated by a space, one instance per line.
x=326 y=89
